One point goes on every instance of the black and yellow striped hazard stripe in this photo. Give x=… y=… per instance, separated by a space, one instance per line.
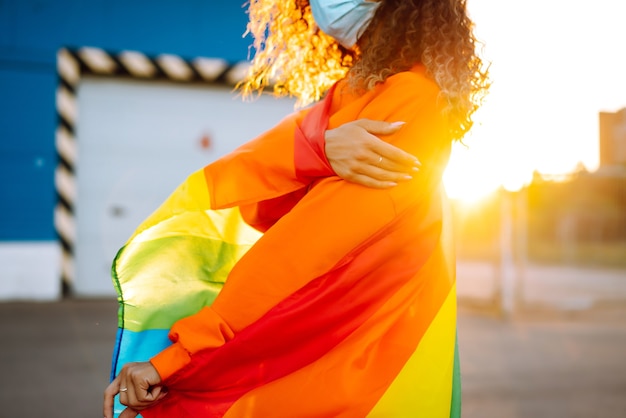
x=74 y=63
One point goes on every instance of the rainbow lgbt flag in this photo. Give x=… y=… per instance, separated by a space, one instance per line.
x=174 y=265
x=344 y=307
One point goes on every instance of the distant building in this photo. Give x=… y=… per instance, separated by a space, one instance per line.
x=613 y=138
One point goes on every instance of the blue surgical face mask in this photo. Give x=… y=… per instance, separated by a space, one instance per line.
x=344 y=20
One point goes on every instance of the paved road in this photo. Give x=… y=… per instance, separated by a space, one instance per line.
x=54 y=362
x=571 y=366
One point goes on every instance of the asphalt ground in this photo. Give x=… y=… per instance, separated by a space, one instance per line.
x=55 y=361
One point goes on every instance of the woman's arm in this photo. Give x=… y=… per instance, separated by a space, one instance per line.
x=353 y=151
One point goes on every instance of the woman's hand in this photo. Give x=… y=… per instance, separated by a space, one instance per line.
x=139 y=386
x=356 y=154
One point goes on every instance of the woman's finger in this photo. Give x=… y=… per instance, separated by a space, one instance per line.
x=391 y=167
x=374 y=166
x=157 y=393
x=367 y=181
x=390 y=153
x=379 y=127
x=386 y=150
x=129 y=413
x=395 y=155
x=137 y=395
x=382 y=168
x=382 y=173
x=126 y=389
x=109 y=398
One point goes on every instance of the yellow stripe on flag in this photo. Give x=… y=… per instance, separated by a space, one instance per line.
x=188 y=211
x=422 y=389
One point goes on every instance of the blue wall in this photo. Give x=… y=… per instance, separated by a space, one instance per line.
x=31 y=32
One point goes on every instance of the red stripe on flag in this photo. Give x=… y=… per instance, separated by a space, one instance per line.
x=306 y=325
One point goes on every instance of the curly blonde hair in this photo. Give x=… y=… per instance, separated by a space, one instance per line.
x=299 y=60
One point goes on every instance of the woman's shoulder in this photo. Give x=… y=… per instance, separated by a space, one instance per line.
x=417 y=77
x=409 y=89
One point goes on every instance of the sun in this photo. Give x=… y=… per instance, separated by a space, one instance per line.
x=465 y=180
x=477 y=170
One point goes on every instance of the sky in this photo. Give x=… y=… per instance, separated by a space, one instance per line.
x=555 y=64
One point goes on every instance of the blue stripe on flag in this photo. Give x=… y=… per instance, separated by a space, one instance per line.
x=136 y=346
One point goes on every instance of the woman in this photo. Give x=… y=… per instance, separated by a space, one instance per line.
x=345 y=305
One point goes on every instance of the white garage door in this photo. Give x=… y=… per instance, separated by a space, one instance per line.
x=137 y=141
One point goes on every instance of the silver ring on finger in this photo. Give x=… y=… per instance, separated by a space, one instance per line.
x=123 y=390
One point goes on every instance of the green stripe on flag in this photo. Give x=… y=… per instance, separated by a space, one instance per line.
x=455 y=407
x=170 y=278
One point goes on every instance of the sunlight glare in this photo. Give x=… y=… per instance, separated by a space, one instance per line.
x=467 y=179
x=550 y=81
